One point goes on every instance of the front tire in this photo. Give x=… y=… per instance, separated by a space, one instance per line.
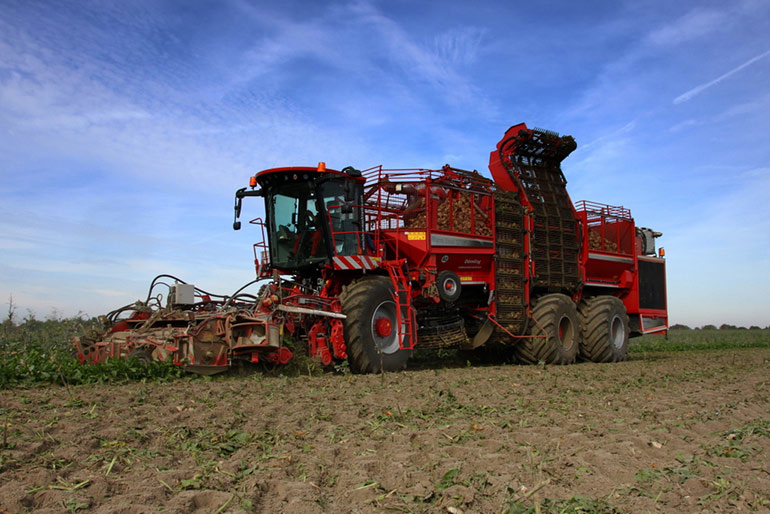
x=556 y=330
x=371 y=326
x=605 y=328
x=142 y=356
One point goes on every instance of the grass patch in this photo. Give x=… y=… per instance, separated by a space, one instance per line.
x=689 y=340
x=738 y=443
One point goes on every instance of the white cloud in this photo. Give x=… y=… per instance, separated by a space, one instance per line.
x=436 y=66
x=759 y=106
x=689 y=95
x=683 y=125
x=460 y=46
x=697 y=23
x=613 y=136
x=87 y=107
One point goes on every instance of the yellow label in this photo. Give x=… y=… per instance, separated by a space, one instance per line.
x=466 y=279
x=415 y=236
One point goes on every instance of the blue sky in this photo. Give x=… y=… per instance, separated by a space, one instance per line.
x=125 y=127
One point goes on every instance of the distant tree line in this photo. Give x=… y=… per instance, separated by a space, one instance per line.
x=723 y=326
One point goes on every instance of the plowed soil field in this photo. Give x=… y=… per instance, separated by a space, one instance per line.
x=671 y=432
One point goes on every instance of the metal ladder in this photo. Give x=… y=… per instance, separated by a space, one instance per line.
x=402 y=290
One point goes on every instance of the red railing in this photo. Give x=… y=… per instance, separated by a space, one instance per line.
x=260 y=250
x=609 y=228
x=604 y=210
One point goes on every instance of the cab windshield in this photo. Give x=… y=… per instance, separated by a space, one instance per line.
x=311 y=220
x=296 y=228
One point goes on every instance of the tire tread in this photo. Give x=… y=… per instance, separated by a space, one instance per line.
x=354 y=298
x=595 y=317
x=544 y=314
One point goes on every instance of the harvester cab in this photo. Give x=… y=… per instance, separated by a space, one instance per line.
x=311 y=215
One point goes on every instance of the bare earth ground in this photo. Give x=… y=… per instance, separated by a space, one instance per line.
x=673 y=432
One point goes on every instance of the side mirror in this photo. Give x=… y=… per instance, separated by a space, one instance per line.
x=239 y=201
x=238 y=204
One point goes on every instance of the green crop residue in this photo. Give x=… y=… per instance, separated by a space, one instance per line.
x=41 y=352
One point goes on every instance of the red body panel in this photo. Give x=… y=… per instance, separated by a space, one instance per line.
x=611 y=259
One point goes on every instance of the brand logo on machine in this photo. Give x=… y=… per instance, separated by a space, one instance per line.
x=472 y=261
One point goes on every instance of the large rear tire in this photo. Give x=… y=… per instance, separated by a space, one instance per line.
x=605 y=326
x=556 y=329
x=371 y=326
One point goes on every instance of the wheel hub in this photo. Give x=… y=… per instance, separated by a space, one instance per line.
x=383 y=327
x=566 y=332
x=617 y=332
